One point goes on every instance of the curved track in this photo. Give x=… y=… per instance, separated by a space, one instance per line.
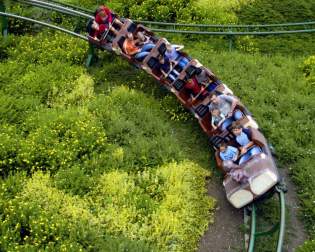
x=249 y=212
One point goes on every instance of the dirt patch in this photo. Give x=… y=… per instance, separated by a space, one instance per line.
x=296 y=231
x=225 y=233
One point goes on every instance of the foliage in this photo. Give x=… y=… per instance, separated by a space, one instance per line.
x=308 y=246
x=47 y=47
x=165 y=207
x=107 y=158
x=41 y=217
x=275 y=11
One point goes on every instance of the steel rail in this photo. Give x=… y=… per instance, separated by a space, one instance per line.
x=232 y=33
x=69 y=11
x=192 y=25
x=44 y=24
x=74 y=7
x=59 y=7
x=282 y=219
x=227 y=25
x=250 y=212
x=39 y=5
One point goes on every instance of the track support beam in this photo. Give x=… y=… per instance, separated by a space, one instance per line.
x=250 y=216
x=4 y=21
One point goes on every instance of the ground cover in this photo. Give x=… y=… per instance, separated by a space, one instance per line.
x=89 y=170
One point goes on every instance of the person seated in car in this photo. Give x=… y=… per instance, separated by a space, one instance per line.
x=243 y=138
x=103 y=19
x=131 y=48
x=104 y=15
x=207 y=78
x=166 y=68
x=174 y=56
x=228 y=152
x=142 y=38
x=226 y=104
x=196 y=90
x=217 y=118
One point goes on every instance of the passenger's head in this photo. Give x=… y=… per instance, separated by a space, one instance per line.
x=129 y=36
x=213 y=97
x=215 y=112
x=140 y=36
x=95 y=26
x=169 y=47
x=161 y=59
x=222 y=147
x=236 y=128
x=103 y=15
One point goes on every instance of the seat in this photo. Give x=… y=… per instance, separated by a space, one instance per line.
x=151 y=62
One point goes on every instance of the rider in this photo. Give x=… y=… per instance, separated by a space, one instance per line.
x=103 y=18
x=243 y=138
x=226 y=104
x=136 y=47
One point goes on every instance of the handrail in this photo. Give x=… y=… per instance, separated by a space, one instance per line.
x=227 y=25
x=60 y=7
x=39 y=5
x=234 y=33
x=44 y=24
x=87 y=11
x=198 y=25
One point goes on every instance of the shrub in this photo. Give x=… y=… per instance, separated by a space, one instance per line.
x=47 y=47
x=164 y=207
x=144 y=135
x=308 y=246
x=58 y=139
x=43 y=218
x=54 y=85
x=10 y=141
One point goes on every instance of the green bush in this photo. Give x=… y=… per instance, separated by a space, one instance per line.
x=10 y=141
x=47 y=47
x=43 y=218
x=53 y=85
x=164 y=208
x=144 y=136
x=174 y=10
x=58 y=139
x=308 y=246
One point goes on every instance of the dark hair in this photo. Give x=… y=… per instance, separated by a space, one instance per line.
x=223 y=144
x=236 y=125
x=212 y=94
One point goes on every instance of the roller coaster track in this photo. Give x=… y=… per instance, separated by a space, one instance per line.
x=250 y=213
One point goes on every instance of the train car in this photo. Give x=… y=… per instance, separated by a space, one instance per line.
x=195 y=86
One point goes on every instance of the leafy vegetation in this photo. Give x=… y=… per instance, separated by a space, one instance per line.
x=94 y=170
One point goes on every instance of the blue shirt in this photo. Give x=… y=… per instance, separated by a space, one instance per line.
x=230 y=153
x=242 y=139
x=224 y=104
x=166 y=66
x=172 y=55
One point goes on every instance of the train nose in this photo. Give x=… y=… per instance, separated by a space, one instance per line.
x=263 y=182
x=241 y=198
